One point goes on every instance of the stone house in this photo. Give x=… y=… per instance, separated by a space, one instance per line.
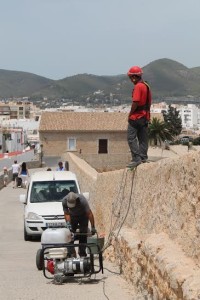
x=91 y=135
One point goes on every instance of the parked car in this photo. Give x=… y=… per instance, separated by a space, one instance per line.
x=43 y=201
x=185 y=140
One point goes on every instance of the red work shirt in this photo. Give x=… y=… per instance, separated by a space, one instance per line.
x=139 y=95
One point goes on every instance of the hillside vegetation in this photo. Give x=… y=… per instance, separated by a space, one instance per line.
x=167 y=78
x=21 y=84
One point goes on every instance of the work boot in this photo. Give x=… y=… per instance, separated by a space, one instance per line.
x=133 y=164
x=144 y=161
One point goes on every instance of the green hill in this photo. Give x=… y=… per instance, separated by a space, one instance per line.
x=166 y=78
x=170 y=78
x=19 y=84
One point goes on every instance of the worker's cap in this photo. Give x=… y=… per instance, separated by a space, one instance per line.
x=71 y=199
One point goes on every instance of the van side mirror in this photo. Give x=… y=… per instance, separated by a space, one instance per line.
x=22 y=198
x=86 y=195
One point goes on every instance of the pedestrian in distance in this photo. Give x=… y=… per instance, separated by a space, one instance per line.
x=77 y=214
x=139 y=116
x=15 y=172
x=23 y=174
x=60 y=166
x=5 y=176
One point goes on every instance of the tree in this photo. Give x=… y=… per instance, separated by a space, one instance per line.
x=159 y=132
x=173 y=120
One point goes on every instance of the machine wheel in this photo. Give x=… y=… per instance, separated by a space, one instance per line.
x=26 y=236
x=39 y=260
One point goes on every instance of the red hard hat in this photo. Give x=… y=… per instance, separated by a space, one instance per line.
x=135 y=70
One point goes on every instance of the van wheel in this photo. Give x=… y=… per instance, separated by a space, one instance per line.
x=39 y=260
x=26 y=236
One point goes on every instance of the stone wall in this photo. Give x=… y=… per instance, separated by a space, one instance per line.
x=107 y=162
x=151 y=218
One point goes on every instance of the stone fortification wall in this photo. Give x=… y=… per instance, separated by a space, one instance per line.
x=154 y=217
x=107 y=162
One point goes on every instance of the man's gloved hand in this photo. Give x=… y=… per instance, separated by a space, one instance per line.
x=68 y=225
x=93 y=230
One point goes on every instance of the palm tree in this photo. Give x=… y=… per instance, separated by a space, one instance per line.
x=159 y=132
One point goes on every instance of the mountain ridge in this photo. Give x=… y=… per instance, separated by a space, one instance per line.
x=167 y=78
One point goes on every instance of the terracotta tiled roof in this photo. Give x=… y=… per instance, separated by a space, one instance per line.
x=83 y=121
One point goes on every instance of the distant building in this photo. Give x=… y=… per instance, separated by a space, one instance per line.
x=18 y=110
x=30 y=128
x=84 y=133
x=190 y=113
x=189 y=116
x=12 y=140
x=15 y=110
x=100 y=138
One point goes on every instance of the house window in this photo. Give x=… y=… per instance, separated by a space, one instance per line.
x=71 y=144
x=103 y=146
x=7 y=136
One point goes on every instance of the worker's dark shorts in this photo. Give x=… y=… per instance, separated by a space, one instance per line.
x=15 y=175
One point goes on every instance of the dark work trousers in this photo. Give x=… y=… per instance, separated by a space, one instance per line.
x=137 y=136
x=80 y=222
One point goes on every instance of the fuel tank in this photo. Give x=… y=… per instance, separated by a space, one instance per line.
x=56 y=236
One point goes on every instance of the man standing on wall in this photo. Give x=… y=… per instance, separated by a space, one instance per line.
x=139 y=117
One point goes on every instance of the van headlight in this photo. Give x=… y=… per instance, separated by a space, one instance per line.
x=34 y=217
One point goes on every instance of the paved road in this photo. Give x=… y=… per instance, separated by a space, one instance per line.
x=19 y=277
x=51 y=161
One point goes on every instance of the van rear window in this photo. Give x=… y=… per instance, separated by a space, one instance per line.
x=49 y=191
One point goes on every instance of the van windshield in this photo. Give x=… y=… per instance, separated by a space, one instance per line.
x=49 y=191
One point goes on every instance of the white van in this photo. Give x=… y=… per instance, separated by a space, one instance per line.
x=43 y=201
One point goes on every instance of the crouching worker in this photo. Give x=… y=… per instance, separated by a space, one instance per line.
x=77 y=215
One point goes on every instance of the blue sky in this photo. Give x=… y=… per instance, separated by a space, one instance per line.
x=61 y=38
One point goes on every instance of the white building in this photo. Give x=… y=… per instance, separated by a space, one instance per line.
x=190 y=113
x=29 y=126
x=12 y=140
x=16 y=133
x=190 y=116
x=158 y=108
